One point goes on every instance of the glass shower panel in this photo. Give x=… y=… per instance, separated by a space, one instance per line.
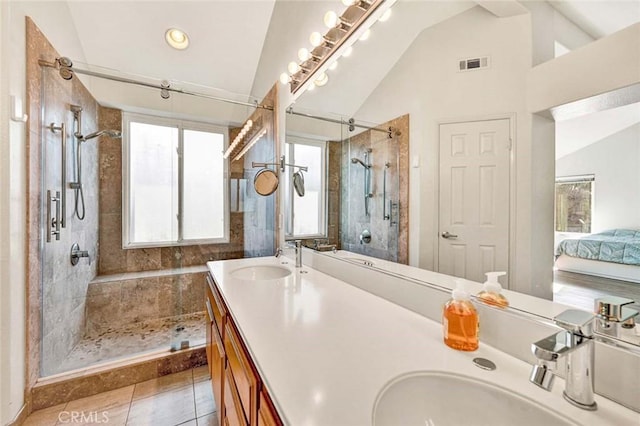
x=370 y=192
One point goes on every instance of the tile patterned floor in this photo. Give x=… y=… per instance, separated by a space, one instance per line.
x=135 y=339
x=183 y=398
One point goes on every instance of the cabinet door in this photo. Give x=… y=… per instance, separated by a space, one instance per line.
x=217 y=366
x=209 y=319
x=266 y=413
x=233 y=414
x=218 y=308
x=246 y=380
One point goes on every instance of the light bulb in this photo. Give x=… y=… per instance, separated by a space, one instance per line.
x=365 y=35
x=349 y=2
x=333 y=66
x=284 y=78
x=321 y=80
x=303 y=54
x=176 y=38
x=316 y=39
x=293 y=67
x=331 y=19
x=311 y=87
x=347 y=51
x=385 y=16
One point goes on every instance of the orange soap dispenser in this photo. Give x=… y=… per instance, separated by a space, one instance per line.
x=460 y=320
x=491 y=291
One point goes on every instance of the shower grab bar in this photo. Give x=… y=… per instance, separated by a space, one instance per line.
x=50 y=221
x=385 y=216
x=63 y=195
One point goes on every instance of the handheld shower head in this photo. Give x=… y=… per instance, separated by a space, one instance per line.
x=359 y=161
x=108 y=132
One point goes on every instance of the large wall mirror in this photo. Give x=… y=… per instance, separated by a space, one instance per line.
x=451 y=164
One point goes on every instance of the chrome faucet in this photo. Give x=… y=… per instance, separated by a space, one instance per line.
x=297 y=244
x=278 y=252
x=575 y=343
x=612 y=315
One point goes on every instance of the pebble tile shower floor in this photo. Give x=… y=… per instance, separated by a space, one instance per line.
x=135 y=339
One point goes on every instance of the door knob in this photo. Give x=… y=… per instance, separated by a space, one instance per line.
x=448 y=235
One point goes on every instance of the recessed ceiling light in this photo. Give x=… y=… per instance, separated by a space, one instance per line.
x=176 y=38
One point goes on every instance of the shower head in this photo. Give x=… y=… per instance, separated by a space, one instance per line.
x=108 y=132
x=359 y=161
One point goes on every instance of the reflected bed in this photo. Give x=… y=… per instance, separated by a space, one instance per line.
x=611 y=254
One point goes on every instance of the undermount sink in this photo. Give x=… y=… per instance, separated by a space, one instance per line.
x=261 y=272
x=435 y=399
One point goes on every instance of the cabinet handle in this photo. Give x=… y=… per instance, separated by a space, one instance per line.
x=209 y=310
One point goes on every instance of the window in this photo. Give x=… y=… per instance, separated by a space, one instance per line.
x=306 y=216
x=574 y=203
x=175 y=183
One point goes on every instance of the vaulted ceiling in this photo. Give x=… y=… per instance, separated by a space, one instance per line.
x=242 y=46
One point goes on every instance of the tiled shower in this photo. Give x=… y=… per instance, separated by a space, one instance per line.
x=114 y=304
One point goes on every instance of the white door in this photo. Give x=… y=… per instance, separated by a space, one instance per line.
x=474 y=198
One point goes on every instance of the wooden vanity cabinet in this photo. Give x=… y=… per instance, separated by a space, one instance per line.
x=237 y=388
x=215 y=349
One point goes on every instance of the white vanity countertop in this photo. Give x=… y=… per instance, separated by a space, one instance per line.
x=325 y=349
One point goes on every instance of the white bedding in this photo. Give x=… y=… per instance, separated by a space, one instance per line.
x=616 y=271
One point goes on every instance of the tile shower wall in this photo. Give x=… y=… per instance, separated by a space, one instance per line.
x=388 y=241
x=334 y=180
x=64 y=286
x=115 y=303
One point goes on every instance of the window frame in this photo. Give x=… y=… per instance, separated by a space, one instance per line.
x=572 y=179
x=181 y=125
x=323 y=209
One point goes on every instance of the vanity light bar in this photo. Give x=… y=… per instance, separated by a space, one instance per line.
x=238 y=138
x=349 y=22
x=251 y=143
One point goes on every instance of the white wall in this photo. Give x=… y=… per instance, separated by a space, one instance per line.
x=615 y=162
x=12 y=223
x=425 y=83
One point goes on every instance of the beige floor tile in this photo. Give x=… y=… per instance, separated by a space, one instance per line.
x=163 y=384
x=201 y=373
x=209 y=420
x=189 y=423
x=164 y=409
x=102 y=401
x=111 y=416
x=45 y=417
x=205 y=403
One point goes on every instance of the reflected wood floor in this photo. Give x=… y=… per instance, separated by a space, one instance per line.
x=581 y=290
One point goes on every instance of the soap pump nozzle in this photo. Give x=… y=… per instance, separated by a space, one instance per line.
x=491 y=290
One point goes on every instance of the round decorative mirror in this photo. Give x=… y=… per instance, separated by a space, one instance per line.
x=265 y=182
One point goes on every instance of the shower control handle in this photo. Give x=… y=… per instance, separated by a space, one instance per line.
x=447 y=235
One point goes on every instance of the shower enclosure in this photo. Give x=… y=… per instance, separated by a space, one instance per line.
x=102 y=302
x=370 y=191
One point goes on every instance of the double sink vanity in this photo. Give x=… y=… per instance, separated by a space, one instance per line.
x=308 y=346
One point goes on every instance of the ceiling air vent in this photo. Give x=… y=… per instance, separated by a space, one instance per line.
x=474 y=63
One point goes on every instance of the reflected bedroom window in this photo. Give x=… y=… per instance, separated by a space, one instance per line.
x=174 y=182
x=574 y=203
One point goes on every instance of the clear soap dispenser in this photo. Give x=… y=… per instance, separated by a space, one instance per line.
x=491 y=291
x=460 y=320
